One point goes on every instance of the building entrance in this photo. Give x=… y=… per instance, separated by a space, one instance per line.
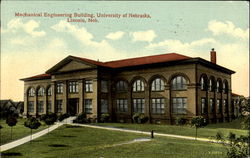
x=72 y=106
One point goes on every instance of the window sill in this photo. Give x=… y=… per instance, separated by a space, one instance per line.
x=158 y=91
x=178 y=89
x=89 y=92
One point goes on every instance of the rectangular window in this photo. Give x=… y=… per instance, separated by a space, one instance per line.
x=40 y=106
x=158 y=105
x=59 y=88
x=88 y=86
x=104 y=106
x=30 y=106
x=219 y=106
x=203 y=106
x=59 y=105
x=104 y=86
x=88 y=106
x=211 y=105
x=179 y=105
x=122 y=105
x=73 y=87
x=139 y=105
x=49 y=106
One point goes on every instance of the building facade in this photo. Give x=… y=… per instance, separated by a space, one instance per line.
x=163 y=87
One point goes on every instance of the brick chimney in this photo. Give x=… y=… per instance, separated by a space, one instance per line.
x=213 y=56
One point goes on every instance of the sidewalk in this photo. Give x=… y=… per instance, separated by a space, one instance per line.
x=34 y=136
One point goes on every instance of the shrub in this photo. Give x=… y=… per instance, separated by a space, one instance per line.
x=219 y=136
x=61 y=117
x=231 y=137
x=238 y=150
x=139 y=118
x=82 y=118
x=105 y=118
x=180 y=121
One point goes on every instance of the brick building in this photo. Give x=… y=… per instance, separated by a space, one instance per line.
x=162 y=87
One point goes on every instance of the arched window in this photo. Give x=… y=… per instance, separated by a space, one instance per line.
x=211 y=85
x=41 y=91
x=157 y=85
x=203 y=83
x=218 y=86
x=179 y=83
x=121 y=86
x=225 y=87
x=138 y=86
x=49 y=92
x=31 y=92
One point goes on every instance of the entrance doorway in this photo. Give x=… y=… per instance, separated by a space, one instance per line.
x=72 y=106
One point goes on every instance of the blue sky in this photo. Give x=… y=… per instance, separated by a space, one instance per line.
x=31 y=45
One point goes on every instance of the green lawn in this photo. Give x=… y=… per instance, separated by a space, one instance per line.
x=18 y=131
x=78 y=142
x=207 y=132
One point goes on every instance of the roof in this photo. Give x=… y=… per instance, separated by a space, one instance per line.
x=36 y=77
x=162 y=58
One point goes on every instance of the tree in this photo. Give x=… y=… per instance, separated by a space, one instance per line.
x=49 y=119
x=1 y=133
x=32 y=123
x=11 y=121
x=198 y=122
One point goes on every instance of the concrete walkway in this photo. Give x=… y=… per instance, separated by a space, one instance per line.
x=35 y=135
x=146 y=133
x=69 y=121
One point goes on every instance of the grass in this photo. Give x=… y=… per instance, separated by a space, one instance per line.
x=79 y=142
x=206 y=132
x=18 y=131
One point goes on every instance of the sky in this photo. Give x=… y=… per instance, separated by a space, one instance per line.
x=32 y=45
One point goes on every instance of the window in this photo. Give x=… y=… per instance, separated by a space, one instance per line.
x=88 y=86
x=158 y=105
x=31 y=92
x=104 y=86
x=59 y=106
x=30 y=106
x=225 y=105
x=138 y=86
x=49 y=106
x=88 y=106
x=104 y=106
x=219 y=106
x=73 y=87
x=203 y=83
x=211 y=105
x=138 y=105
x=211 y=85
x=40 y=106
x=179 y=105
x=59 y=88
x=218 y=86
x=157 y=85
x=121 y=86
x=41 y=91
x=203 y=106
x=225 y=87
x=49 y=91
x=122 y=105
x=179 y=83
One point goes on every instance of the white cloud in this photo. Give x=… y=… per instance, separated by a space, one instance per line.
x=29 y=27
x=147 y=36
x=179 y=46
x=115 y=35
x=218 y=28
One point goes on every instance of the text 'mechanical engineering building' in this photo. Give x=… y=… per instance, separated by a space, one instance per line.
x=163 y=87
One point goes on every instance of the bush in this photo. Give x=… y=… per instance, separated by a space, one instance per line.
x=139 y=118
x=180 y=121
x=238 y=150
x=219 y=136
x=61 y=117
x=82 y=118
x=231 y=137
x=105 y=118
